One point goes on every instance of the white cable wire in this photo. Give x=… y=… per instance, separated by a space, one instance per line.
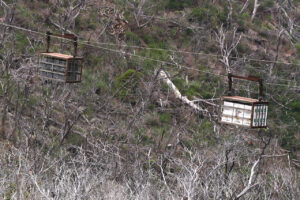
x=87 y=43
x=169 y=63
x=194 y=53
x=158 y=49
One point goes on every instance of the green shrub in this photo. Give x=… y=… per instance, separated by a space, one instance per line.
x=243 y=49
x=150 y=65
x=127 y=83
x=264 y=5
x=208 y=14
x=287 y=139
x=153 y=120
x=178 y=4
x=204 y=134
x=165 y=118
x=242 y=20
x=188 y=144
x=25 y=16
x=131 y=37
x=189 y=32
x=93 y=81
x=141 y=136
x=297 y=46
x=150 y=106
x=199 y=13
x=21 y=42
x=295 y=108
x=154 y=40
x=179 y=83
x=75 y=139
x=89 y=22
x=203 y=87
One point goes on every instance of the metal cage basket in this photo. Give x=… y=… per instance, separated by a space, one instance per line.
x=60 y=67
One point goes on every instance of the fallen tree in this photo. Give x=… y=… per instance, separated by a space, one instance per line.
x=164 y=77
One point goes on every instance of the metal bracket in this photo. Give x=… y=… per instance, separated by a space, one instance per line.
x=67 y=36
x=249 y=78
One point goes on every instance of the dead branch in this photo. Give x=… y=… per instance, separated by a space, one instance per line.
x=244 y=6
x=256 y=5
x=162 y=75
x=250 y=184
x=227 y=45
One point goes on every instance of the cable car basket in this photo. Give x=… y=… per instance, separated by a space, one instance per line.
x=243 y=111
x=60 y=67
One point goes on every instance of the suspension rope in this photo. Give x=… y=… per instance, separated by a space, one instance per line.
x=87 y=43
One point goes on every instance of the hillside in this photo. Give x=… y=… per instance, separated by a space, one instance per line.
x=123 y=132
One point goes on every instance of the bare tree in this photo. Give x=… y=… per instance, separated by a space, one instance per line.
x=64 y=20
x=228 y=41
x=138 y=12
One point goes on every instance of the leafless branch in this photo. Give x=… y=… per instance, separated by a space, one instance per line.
x=250 y=184
x=256 y=5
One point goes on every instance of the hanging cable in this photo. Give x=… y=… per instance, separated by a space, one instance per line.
x=169 y=63
x=158 y=49
x=87 y=43
x=194 y=53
